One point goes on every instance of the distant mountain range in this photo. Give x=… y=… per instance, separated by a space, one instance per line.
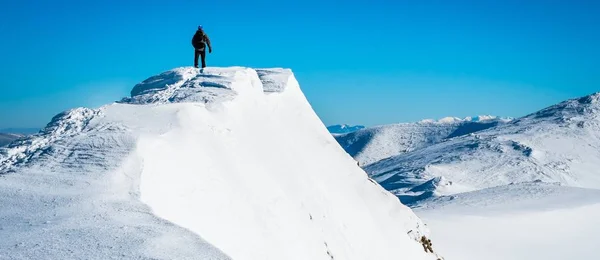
x=372 y=144
x=7 y=135
x=22 y=131
x=6 y=139
x=418 y=161
x=344 y=129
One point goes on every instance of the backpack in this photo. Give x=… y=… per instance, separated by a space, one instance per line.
x=198 y=41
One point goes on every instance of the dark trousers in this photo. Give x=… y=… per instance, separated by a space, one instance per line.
x=202 y=54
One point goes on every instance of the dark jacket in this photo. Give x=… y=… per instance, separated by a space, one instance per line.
x=200 y=40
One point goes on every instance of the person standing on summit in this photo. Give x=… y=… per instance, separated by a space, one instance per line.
x=200 y=41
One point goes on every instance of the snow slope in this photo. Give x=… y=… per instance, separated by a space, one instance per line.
x=523 y=189
x=559 y=144
x=376 y=143
x=519 y=222
x=197 y=165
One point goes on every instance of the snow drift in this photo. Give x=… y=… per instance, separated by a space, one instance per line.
x=197 y=165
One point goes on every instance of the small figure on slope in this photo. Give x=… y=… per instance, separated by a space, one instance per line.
x=427 y=246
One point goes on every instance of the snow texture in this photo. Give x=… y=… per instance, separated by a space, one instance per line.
x=556 y=145
x=197 y=164
x=519 y=221
x=521 y=189
x=274 y=80
x=370 y=145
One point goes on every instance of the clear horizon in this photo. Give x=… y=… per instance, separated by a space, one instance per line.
x=359 y=63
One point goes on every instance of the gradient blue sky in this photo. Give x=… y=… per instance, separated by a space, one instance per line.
x=358 y=62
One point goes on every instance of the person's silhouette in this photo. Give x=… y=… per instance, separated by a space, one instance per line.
x=200 y=41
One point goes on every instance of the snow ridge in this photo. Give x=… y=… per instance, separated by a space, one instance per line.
x=210 y=85
x=187 y=85
x=198 y=164
x=63 y=126
x=372 y=144
x=454 y=120
x=555 y=145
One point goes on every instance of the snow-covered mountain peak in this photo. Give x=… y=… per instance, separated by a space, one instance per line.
x=591 y=99
x=586 y=107
x=208 y=85
x=179 y=85
x=458 y=120
x=449 y=120
x=344 y=129
x=206 y=170
x=372 y=144
x=482 y=118
x=557 y=144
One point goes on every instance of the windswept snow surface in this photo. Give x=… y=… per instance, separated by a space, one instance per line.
x=519 y=222
x=372 y=144
x=525 y=189
x=197 y=165
x=559 y=144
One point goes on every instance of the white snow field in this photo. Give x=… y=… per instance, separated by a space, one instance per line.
x=559 y=144
x=198 y=165
x=524 y=189
x=519 y=222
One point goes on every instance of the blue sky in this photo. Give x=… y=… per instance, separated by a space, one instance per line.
x=358 y=62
